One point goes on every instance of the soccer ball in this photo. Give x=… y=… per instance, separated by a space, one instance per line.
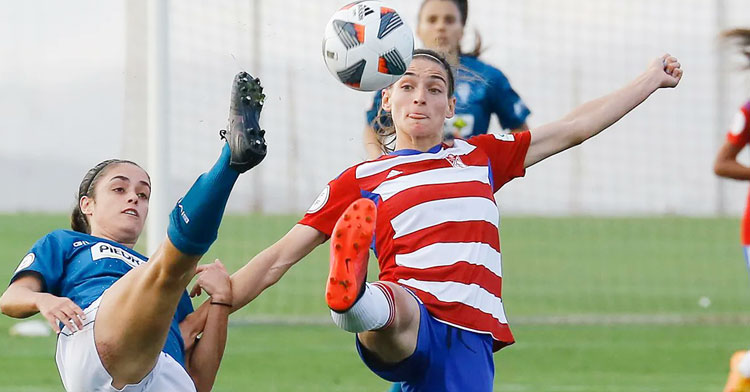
x=367 y=46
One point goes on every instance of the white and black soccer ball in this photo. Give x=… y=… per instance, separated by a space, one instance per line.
x=367 y=46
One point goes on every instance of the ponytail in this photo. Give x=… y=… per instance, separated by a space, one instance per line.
x=742 y=38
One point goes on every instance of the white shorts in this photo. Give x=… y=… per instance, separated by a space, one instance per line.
x=82 y=370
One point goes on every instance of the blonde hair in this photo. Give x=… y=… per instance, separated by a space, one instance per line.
x=742 y=38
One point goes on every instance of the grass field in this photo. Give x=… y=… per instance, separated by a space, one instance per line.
x=596 y=304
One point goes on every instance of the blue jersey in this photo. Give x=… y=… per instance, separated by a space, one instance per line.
x=80 y=267
x=481 y=90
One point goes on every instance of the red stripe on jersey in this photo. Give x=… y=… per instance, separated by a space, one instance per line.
x=424 y=193
x=459 y=314
x=473 y=231
x=461 y=272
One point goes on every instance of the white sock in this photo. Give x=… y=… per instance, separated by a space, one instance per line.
x=744 y=366
x=373 y=310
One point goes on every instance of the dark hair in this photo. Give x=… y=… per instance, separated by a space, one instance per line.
x=383 y=125
x=78 y=221
x=463 y=10
x=742 y=38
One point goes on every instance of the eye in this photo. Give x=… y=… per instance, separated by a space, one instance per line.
x=432 y=19
x=119 y=189
x=143 y=196
x=450 y=19
x=435 y=90
x=406 y=86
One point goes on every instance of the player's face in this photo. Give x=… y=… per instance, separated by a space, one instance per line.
x=118 y=210
x=419 y=102
x=440 y=26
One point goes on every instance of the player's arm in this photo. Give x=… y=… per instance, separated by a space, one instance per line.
x=270 y=265
x=261 y=272
x=595 y=116
x=371 y=142
x=24 y=297
x=202 y=359
x=726 y=164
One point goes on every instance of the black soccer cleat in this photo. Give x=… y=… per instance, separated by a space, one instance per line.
x=245 y=138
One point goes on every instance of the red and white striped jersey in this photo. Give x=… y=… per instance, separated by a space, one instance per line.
x=437 y=226
x=739 y=135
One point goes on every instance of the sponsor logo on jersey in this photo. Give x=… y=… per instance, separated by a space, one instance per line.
x=78 y=244
x=26 y=262
x=320 y=201
x=506 y=137
x=738 y=123
x=103 y=250
x=455 y=161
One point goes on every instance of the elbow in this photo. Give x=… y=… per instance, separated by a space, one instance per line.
x=720 y=169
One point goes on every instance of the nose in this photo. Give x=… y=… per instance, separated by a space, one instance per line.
x=419 y=96
x=132 y=198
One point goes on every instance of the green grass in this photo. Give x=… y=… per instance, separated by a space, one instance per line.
x=597 y=269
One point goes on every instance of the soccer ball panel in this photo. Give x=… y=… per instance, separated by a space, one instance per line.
x=367 y=46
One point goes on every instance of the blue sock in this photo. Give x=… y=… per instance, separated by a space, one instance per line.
x=194 y=222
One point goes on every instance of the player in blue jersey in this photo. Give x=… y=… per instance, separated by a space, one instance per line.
x=480 y=90
x=118 y=314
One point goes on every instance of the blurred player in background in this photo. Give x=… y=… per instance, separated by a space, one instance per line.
x=727 y=166
x=481 y=89
x=117 y=313
x=436 y=316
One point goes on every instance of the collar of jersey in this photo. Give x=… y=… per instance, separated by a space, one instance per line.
x=407 y=151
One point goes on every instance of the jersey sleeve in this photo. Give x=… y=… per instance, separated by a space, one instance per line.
x=505 y=102
x=46 y=260
x=739 y=132
x=506 y=153
x=331 y=203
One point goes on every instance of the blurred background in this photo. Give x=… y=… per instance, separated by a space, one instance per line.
x=623 y=266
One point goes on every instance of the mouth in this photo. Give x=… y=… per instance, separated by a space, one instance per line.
x=416 y=116
x=130 y=211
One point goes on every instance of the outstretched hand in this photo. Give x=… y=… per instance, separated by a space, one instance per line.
x=667 y=69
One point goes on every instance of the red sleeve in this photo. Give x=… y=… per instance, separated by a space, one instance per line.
x=331 y=203
x=739 y=133
x=506 y=152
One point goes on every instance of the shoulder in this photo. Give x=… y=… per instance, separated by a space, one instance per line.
x=474 y=64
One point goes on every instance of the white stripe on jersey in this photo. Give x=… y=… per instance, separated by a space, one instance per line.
x=445 y=175
x=449 y=253
x=432 y=213
x=367 y=169
x=468 y=294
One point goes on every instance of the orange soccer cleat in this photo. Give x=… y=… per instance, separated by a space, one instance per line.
x=736 y=382
x=349 y=253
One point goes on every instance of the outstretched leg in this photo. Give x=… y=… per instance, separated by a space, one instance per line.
x=134 y=317
x=383 y=314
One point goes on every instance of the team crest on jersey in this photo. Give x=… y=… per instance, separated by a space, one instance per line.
x=455 y=161
x=103 y=250
x=26 y=262
x=506 y=137
x=320 y=201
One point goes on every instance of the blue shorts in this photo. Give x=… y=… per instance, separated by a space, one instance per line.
x=446 y=359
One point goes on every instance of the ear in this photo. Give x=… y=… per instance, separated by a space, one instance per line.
x=386 y=101
x=451 y=110
x=87 y=205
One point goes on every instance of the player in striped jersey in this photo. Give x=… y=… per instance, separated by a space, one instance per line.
x=727 y=166
x=436 y=315
x=481 y=89
x=120 y=316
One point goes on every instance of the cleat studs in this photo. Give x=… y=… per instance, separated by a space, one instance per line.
x=356 y=246
x=339 y=234
x=346 y=298
x=338 y=246
x=329 y=296
x=347 y=217
x=333 y=280
x=355 y=206
x=368 y=219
